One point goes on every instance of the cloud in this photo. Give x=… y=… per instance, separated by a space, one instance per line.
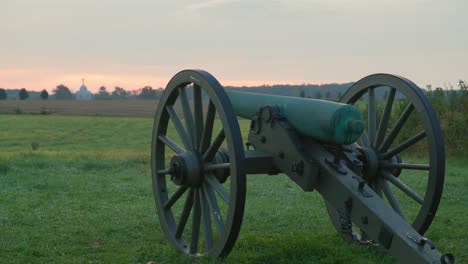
x=208 y=4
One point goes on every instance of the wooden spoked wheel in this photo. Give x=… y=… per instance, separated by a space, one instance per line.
x=402 y=149
x=197 y=167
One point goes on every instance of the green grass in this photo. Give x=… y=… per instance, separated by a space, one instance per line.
x=85 y=196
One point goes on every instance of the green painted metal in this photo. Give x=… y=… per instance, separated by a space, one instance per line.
x=322 y=120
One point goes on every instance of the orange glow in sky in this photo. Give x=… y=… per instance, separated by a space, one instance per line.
x=37 y=80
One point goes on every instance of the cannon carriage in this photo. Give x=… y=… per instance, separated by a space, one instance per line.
x=354 y=162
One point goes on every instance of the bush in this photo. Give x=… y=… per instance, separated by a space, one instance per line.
x=23 y=94
x=451 y=106
x=3 y=94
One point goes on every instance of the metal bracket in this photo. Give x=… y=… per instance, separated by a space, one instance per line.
x=423 y=241
x=361 y=185
x=336 y=164
x=272 y=133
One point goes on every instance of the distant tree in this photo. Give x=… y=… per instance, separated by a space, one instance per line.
x=429 y=91
x=328 y=95
x=385 y=95
x=3 y=94
x=318 y=95
x=439 y=101
x=463 y=86
x=134 y=93
x=119 y=93
x=147 y=92
x=44 y=94
x=339 y=96
x=62 y=92
x=301 y=93
x=23 y=94
x=102 y=93
x=463 y=95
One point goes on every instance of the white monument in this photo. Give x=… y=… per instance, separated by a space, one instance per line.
x=83 y=93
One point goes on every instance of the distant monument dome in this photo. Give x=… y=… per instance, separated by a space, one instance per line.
x=83 y=93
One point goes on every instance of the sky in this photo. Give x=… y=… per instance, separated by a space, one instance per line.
x=134 y=43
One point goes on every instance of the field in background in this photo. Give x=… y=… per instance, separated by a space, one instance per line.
x=85 y=195
x=130 y=108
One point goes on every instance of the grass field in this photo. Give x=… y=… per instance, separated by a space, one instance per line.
x=85 y=195
x=123 y=108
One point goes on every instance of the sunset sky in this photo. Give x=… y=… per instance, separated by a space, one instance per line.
x=134 y=43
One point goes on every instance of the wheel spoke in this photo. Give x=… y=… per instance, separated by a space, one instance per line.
x=170 y=143
x=406 y=166
x=198 y=111
x=404 y=145
x=403 y=187
x=372 y=116
x=385 y=117
x=210 y=153
x=392 y=200
x=396 y=129
x=195 y=223
x=185 y=215
x=177 y=194
x=208 y=130
x=365 y=139
x=165 y=171
x=218 y=187
x=211 y=197
x=205 y=209
x=210 y=167
x=187 y=115
x=179 y=127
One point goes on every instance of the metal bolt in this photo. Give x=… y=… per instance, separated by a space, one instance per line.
x=281 y=155
x=365 y=220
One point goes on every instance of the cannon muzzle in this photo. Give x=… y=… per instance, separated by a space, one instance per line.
x=322 y=120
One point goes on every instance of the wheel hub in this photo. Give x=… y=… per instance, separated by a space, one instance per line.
x=371 y=164
x=187 y=169
x=396 y=159
x=221 y=174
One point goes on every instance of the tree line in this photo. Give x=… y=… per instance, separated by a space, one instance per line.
x=451 y=107
x=62 y=92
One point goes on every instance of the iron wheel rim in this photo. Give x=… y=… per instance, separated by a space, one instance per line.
x=202 y=195
x=382 y=143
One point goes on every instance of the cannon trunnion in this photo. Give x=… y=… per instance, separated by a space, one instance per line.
x=199 y=163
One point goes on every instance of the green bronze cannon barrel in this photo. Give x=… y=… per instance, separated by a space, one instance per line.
x=322 y=120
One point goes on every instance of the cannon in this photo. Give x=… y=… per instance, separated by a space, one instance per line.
x=356 y=162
